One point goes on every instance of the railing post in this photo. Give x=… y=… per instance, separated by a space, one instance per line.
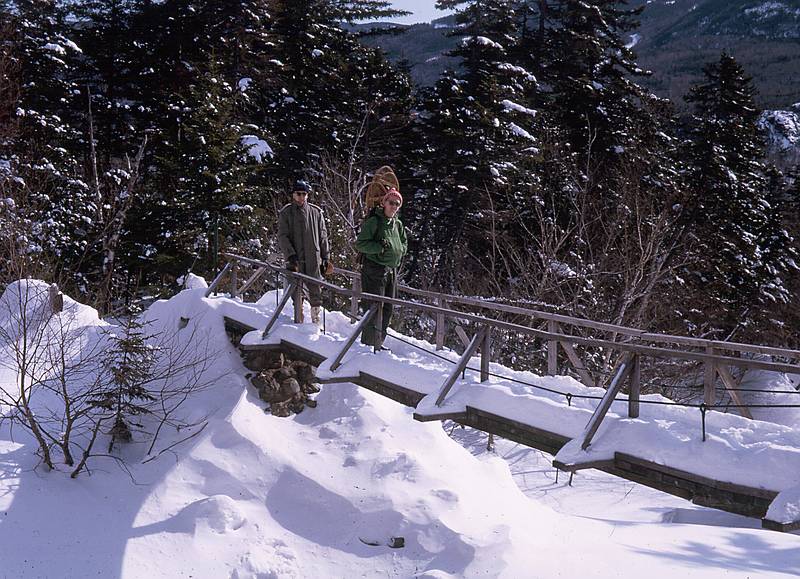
x=376 y=347
x=287 y=293
x=605 y=403
x=710 y=379
x=355 y=298
x=234 y=279
x=337 y=360
x=461 y=366
x=635 y=387
x=298 y=301
x=552 y=349
x=56 y=298
x=486 y=353
x=441 y=324
x=213 y=287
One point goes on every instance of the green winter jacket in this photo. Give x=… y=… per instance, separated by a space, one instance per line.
x=371 y=238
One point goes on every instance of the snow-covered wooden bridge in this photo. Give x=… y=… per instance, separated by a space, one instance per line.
x=690 y=450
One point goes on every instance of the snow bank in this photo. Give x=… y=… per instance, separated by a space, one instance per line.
x=322 y=494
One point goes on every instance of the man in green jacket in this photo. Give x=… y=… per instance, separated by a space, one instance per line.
x=303 y=238
x=383 y=242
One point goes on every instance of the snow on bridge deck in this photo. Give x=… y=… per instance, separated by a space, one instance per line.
x=742 y=466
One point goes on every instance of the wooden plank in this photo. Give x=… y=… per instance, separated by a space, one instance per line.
x=218 y=279
x=401 y=394
x=780 y=527
x=552 y=349
x=514 y=430
x=237 y=326
x=605 y=403
x=337 y=360
x=697 y=478
x=55 y=298
x=537 y=314
x=710 y=379
x=575 y=360
x=635 y=388
x=730 y=384
x=378 y=329
x=234 y=279
x=457 y=416
x=278 y=309
x=441 y=324
x=462 y=364
x=720 y=345
x=297 y=302
x=355 y=297
x=252 y=279
x=486 y=354
x=576 y=466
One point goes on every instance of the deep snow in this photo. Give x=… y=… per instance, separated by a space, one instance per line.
x=253 y=495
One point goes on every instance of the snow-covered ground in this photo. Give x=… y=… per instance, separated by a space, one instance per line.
x=323 y=493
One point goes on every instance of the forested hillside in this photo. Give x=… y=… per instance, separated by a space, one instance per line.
x=139 y=139
x=673 y=41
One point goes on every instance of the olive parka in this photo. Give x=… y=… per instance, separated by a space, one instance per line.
x=302 y=235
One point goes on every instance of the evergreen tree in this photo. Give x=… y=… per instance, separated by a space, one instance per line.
x=44 y=158
x=478 y=130
x=203 y=173
x=104 y=34
x=589 y=71
x=321 y=87
x=130 y=364
x=742 y=249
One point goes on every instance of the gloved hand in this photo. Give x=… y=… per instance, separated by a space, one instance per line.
x=385 y=244
x=292 y=264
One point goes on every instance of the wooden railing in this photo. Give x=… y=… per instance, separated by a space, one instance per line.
x=633 y=344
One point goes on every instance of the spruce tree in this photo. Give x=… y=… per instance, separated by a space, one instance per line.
x=478 y=130
x=204 y=170
x=742 y=249
x=130 y=364
x=54 y=206
x=320 y=86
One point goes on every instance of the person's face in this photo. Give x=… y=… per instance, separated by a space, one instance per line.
x=390 y=207
x=300 y=197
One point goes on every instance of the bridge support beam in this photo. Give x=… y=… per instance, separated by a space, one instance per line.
x=461 y=366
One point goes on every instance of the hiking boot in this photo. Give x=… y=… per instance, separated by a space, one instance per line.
x=315 y=311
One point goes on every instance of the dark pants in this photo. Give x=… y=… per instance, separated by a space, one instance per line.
x=379 y=280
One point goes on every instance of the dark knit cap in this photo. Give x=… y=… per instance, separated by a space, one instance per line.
x=301 y=185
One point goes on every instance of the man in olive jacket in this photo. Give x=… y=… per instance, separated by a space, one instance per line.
x=383 y=242
x=303 y=238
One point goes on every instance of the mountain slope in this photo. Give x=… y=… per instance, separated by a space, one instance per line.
x=675 y=39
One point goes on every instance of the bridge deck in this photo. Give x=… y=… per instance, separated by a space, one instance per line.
x=685 y=466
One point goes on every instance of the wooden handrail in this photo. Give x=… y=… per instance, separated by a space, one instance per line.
x=628 y=346
x=584 y=323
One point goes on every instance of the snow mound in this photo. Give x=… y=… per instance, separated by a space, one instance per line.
x=219 y=512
